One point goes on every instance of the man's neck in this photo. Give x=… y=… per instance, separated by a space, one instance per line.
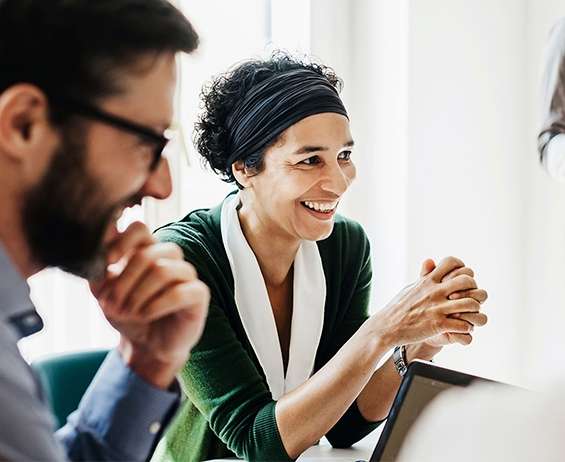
x=14 y=243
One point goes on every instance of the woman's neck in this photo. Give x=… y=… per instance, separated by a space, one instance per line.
x=275 y=251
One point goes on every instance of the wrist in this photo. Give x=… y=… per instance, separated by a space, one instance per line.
x=421 y=351
x=376 y=341
x=158 y=373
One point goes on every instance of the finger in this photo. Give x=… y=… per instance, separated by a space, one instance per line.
x=464 y=305
x=458 y=272
x=193 y=295
x=101 y=288
x=162 y=275
x=462 y=282
x=477 y=319
x=189 y=295
x=446 y=266
x=140 y=263
x=462 y=339
x=136 y=235
x=453 y=326
x=478 y=294
x=428 y=266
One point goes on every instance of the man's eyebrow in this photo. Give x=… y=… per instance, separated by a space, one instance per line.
x=307 y=149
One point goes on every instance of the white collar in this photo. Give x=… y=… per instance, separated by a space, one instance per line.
x=255 y=309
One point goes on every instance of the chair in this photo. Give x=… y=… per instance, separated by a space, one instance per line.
x=65 y=378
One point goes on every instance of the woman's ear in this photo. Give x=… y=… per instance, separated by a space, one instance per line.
x=241 y=173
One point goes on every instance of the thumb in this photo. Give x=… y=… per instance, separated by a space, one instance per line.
x=427 y=267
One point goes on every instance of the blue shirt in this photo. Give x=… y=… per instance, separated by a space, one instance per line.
x=119 y=417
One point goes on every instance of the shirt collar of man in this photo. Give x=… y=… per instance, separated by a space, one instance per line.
x=16 y=307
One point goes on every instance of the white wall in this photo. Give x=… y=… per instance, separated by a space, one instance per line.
x=443 y=96
x=468 y=146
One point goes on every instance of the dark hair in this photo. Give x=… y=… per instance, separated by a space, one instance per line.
x=222 y=95
x=76 y=47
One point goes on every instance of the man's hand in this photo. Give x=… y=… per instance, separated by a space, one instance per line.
x=155 y=300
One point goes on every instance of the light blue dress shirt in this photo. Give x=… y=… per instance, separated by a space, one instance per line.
x=119 y=418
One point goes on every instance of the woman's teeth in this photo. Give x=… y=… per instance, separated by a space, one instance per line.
x=324 y=207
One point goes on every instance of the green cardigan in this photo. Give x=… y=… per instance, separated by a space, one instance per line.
x=228 y=409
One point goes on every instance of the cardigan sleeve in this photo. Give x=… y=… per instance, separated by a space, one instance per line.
x=352 y=426
x=221 y=379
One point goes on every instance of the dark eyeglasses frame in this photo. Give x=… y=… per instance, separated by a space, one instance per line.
x=92 y=112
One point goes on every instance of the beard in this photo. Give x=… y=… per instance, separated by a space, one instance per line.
x=64 y=217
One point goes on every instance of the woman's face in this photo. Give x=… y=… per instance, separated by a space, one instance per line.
x=304 y=176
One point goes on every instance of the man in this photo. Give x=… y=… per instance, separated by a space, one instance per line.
x=86 y=90
x=551 y=140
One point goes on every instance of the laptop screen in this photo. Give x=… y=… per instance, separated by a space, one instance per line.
x=421 y=391
x=421 y=384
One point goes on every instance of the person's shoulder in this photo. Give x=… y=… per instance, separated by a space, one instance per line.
x=26 y=424
x=198 y=223
x=199 y=235
x=200 y=229
x=348 y=243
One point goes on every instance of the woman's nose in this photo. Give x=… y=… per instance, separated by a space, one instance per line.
x=337 y=179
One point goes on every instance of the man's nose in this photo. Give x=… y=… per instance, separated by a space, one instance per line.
x=159 y=184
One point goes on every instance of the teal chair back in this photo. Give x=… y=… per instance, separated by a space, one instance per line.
x=65 y=378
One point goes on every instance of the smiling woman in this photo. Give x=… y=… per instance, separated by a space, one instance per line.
x=289 y=353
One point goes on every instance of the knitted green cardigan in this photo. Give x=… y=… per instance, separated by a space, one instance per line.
x=228 y=410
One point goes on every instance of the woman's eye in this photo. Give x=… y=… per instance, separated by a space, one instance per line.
x=311 y=160
x=344 y=155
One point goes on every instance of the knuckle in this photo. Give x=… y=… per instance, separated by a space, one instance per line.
x=174 y=250
x=202 y=289
x=160 y=269
x=192 y=270
x=139 y=227
x=454 y=261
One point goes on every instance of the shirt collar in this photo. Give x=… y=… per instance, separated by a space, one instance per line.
x=16 y=307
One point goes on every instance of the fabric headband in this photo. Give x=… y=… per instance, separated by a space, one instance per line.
x=274 y=105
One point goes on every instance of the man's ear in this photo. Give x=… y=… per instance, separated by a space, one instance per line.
x=24 y=122
x=241 y=173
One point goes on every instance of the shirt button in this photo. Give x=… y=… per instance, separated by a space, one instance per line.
x=154 y=428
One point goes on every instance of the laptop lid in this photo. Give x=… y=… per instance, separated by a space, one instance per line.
x=421 y=384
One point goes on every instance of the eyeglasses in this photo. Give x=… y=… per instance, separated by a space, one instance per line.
x=92 y=112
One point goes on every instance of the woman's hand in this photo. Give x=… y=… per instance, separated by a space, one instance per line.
x=445 y=300
x=476 y=319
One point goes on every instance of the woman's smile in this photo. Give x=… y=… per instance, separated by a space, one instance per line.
x=320 y=210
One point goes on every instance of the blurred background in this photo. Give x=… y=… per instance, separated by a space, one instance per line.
x=443 y=97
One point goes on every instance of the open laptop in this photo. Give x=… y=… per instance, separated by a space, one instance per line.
x=422 y=382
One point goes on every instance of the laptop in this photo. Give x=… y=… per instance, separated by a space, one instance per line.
x=422 y=382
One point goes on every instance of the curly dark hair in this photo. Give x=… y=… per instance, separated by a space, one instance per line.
x=225 y=91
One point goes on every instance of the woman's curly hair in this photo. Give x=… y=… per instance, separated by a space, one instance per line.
x=225 y=91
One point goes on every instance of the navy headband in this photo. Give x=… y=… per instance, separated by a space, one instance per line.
x=274 y=105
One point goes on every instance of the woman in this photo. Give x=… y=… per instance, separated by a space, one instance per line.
x=289 y=353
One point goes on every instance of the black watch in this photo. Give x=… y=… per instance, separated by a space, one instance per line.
x=399 y=358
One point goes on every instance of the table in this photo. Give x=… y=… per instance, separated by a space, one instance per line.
x=324 y=452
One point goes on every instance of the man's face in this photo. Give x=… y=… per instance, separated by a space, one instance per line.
x=69 y=216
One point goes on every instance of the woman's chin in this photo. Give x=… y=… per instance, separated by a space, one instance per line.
x=319 y=233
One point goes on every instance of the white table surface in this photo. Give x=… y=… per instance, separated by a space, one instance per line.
x=324 y=452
